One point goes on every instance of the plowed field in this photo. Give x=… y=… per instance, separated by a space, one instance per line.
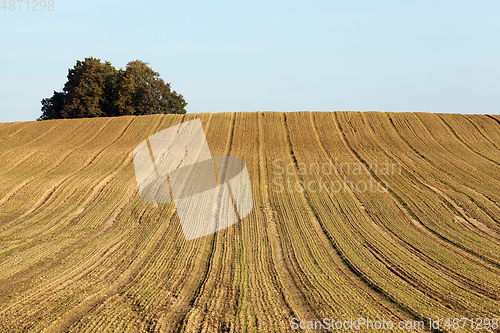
x=383 y=216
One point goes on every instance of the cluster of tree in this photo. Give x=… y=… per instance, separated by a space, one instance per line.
x=97 y=89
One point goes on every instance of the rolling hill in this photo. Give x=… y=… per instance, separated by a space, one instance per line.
x=383 y=216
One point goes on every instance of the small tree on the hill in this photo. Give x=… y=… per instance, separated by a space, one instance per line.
x=96 y=89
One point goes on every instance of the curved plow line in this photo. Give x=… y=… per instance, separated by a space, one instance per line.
x=417 y=178
x=316 y=224
x=442 y=172
x=5 y=127
x=100 y=186
x=188 y=307
x=63 y=253
x=462 y=141
x=66 y=154
x=108 y=270
x=358 y=271
x=23 y=159
x=67 y=321
x=488 y=127
x=69 y=134
x=425 y=257
x=399 y=200
x=377 y=293
x=482 y=132
x=72 y=176
x=54 y=167
x=451 y=203
x=148 y=289
x=434 y=166
x=465 y=281
x=393 y=297
x=96 y=191
x=445 y=238
x=45 y=133
x=465 y=144
x=289 y=279
x=348 y=275
x=479 y=178
x=351 y=266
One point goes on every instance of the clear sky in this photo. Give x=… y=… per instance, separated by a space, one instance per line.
x=273 y=55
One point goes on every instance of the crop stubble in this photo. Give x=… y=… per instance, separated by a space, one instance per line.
x=81 y=252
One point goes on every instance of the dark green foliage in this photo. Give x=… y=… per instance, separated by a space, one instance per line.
x=85 y=89
x=52 y=107
x=96 y=89
x=141 y=91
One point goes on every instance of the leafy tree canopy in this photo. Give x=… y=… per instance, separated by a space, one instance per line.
x=97 y=89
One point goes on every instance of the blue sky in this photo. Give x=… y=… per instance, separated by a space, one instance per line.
x=433 y=56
